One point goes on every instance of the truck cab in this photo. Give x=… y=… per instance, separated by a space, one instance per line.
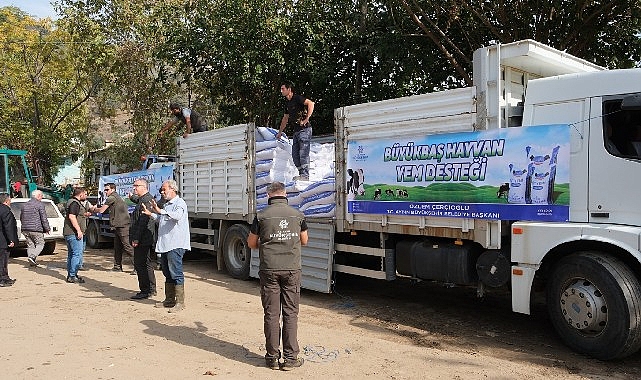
x=590 y=265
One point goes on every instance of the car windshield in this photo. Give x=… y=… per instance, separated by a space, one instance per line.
x=50 y=209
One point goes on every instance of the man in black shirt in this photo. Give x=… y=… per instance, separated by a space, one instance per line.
x=298 y=110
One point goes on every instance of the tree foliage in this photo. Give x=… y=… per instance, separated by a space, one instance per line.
x=44 y=86
x=227 y=59
x=604 y=32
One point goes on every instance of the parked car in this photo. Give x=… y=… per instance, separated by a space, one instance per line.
x=56 y=222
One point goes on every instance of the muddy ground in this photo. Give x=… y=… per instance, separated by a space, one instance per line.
x=50 y=329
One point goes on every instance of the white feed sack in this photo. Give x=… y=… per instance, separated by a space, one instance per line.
x=316 y=197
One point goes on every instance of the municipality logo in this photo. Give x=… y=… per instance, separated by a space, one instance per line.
x=360 y=155
x=283 y=224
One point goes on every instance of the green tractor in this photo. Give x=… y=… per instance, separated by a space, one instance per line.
x=17 y=180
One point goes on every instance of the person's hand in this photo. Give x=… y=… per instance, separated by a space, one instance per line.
x=134 y=244
x=11 y=244
x=79 y=235
x=278 y=135
x=143 y=210
x=185 y=135
x=155 y=207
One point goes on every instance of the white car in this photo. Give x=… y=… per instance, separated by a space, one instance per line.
x=56 y=222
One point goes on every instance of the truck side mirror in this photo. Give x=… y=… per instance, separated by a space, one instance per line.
x=631 y=103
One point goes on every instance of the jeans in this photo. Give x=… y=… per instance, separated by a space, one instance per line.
x=300 y=149
x=172 y=266
x=84 y=248
x=280 y=290
x=74 y=254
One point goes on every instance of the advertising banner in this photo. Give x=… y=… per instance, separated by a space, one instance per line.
x=124 y=182
x=504 y=174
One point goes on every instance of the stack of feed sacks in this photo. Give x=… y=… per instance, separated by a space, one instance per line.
x=273 y=162
x=315 y=198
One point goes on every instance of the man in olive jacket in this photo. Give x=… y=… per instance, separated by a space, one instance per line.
x=143 y=237
x=8 y=238
x=120 y=223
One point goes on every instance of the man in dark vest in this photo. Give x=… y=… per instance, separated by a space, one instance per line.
x=278 y=232
x=192 y=119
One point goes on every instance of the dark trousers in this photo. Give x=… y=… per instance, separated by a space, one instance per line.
x=4 y=264
x=280 y=292
x=121 y=244
x=144 y=268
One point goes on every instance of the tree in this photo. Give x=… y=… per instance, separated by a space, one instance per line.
x=606 y=33
x=43 y=90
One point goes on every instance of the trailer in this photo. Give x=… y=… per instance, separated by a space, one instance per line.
x=450 y=190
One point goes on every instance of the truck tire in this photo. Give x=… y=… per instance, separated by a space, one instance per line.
x=93 y=238
x=50 y=248
x=236 y=252
x=594 y=303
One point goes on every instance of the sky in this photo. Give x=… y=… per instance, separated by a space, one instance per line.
x=37 y=8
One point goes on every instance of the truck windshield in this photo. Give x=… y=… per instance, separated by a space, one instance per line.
x=621 y=130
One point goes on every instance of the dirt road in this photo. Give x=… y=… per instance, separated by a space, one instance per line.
x=367 y=329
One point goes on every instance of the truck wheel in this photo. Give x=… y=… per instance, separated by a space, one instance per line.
x=236 y=252
x=594 y=303
x=93 y=239
x=49 y=248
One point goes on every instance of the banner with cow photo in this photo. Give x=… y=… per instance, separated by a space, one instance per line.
x=503 y=174
x=124 y=182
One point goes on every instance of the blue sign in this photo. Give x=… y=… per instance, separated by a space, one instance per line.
x=507 y=174
x=124 y=181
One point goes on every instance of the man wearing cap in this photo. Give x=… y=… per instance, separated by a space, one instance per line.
x=278 y=233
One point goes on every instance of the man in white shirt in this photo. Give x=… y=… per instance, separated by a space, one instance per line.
x=173 y=241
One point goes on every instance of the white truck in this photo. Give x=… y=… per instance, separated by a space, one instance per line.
x=576 y=235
